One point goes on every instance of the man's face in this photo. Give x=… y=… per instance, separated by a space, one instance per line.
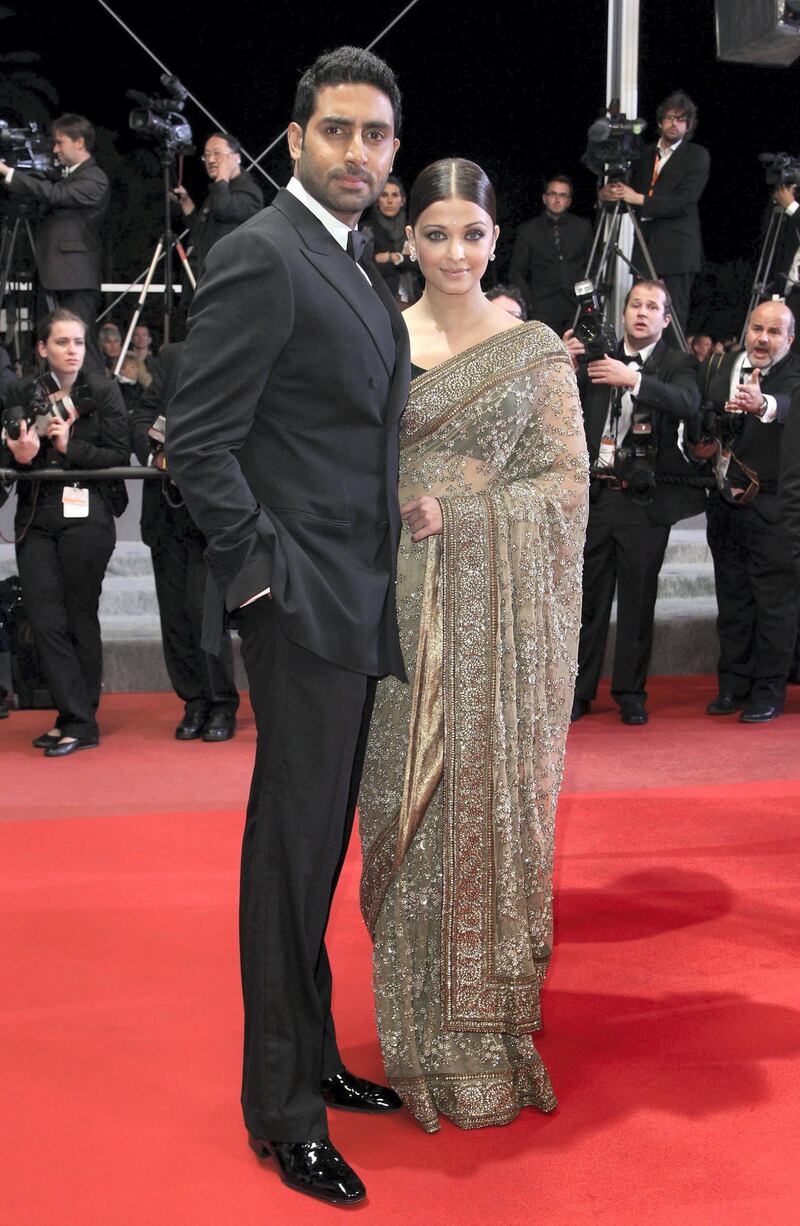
x=68 y=151
x=770 y=333
x=141 y=337
x=344 y=156
x=673 y=127
x=557 y=197
x=702 y=346
x=218 y=153
x=508 y=305
x=645 y=316
x=110 y=343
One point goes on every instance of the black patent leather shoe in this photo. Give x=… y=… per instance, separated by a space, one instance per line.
x=4 y=712
x=191 y=726
x=725 y=704
x=351 y=1093
x=46 y=740
x=313 y=1167
x=580 y=707
x=759 y=713
x=68 y=745
x=221 y=726
x=632 y=711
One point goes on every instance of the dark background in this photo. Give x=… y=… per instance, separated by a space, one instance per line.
x=512 y=86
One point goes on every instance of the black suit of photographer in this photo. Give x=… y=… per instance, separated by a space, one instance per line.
x=227 y=205
x=62 y=561
x=626 y=538
x=204 y=682
x=756 y=588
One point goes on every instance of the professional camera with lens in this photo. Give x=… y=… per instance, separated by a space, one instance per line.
x=45 y=403
x=162 y=119
x=27 y=148
x=635 y=462
x=614 y=143
x=780 y=169
x=595 y=334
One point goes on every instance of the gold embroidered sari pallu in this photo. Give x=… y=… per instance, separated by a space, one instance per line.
x=489 y=616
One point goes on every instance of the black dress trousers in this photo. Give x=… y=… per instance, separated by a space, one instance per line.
x=61 y=565
x=312 y=719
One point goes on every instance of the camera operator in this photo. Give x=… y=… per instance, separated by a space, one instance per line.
x=65 y=532
x=204 y=682
x=232 y=197
x=668 y=182
x=68 y=235
x=635 y=404
x=748 y=395
x=786 y=277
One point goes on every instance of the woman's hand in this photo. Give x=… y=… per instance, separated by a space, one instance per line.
x=423 y=516
x=58 y=432
x=26 y=446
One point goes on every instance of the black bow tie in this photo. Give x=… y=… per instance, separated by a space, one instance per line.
x=633 y=359
x=356 y=245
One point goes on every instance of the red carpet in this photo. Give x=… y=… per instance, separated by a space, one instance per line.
x=672 y=1009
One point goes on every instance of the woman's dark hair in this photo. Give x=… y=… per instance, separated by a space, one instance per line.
x=345 y=66
x=59 y=316
x=448 y=178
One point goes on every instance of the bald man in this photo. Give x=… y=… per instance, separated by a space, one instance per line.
x=756 y=589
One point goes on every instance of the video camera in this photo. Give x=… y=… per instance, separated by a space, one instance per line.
x=613 y=144
x=27 y=148
x=45 y=403
x=595 y=334
x=162 y=119
x=780 y=169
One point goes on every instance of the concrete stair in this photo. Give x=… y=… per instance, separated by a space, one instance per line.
x=685 y=636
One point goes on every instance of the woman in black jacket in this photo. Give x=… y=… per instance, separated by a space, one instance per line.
x=65 y=532
x=387 y=226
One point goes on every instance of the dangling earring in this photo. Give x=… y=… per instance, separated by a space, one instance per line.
x=491 y=257
x=412 y=254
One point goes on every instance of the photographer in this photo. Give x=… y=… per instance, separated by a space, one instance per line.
x=68 y=235
x=204 y=682
x=635 y=403
x=748 y=395
x=668 y=182
x=65 y=532
x=232 y=197
x=786 y=277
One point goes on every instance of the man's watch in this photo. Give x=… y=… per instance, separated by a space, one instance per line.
x=764 y=406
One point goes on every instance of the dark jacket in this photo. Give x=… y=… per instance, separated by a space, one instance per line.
x=225 y=207
x=69 y=233
x=670 y=217
x=99 y=439
x=789 y=479
x=669 y=391
x=283 y=435
x=547 y=282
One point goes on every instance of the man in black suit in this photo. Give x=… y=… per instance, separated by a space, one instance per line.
x=668 y=182
x=232 y=198
x=785 y=277
x=283 y=437
x=756 y=590
x=203 y=680
x=68 y=234
x=550 y=254
x=635 y=405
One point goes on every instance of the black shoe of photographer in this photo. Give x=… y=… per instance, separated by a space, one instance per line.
x=759 y=713
x=46 y=739
x=193 y=723
x=580 y=707
x=71 y=744
x=631 y=711
x=313 y=1167
x=221 y=726
x=4 y=712
x=725 y=704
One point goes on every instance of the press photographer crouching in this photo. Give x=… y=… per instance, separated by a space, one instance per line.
x=636 y=399
x=65 y=532
x=747 y=397
x=203 y=681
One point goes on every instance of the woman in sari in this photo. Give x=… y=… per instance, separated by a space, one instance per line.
x=464 y=764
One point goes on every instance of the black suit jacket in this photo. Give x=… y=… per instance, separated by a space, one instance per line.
x=283 y=435
x=669 y=391
x=225 y=207
x=547 y=282
x=789 y=482
x=756 y=444
x=68 y=235
x=670 y=217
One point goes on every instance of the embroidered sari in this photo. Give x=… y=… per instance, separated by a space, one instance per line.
x=464 y=764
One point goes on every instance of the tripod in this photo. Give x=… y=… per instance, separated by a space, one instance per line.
x=165 y=246
x=11 y=231
x=602 y=258
x=766 y=259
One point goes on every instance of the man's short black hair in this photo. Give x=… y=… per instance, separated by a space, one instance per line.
x=558 y=179
x=75 y=126
x=345 y=66
x=655 y=283
x=683 y=105
x=230 y=141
